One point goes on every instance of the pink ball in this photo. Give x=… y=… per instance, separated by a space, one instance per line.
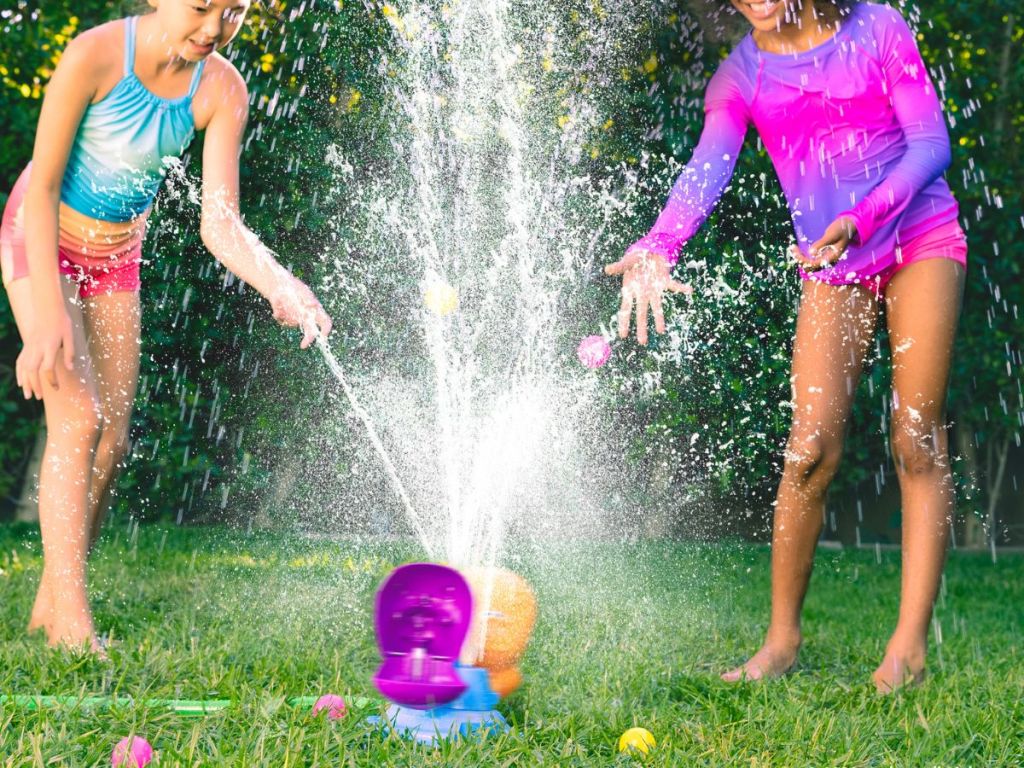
x=334 y=704
x=594 y=351
x=133 y=752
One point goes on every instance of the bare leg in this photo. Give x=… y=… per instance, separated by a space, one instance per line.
x=112 y=325
x=73 y=428
x=834 y=328
x=112 y=331
x=923 y=304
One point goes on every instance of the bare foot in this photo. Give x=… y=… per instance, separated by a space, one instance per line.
x=902 y=667
x=71 y=627
x=40 y=609
x=92 y=645
x=774 y=659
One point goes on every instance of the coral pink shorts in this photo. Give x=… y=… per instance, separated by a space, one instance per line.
x=101 y=256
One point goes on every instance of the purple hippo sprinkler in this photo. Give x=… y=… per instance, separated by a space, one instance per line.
x=423 y=614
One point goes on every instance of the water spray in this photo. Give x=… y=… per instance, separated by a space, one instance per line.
x=335 y=366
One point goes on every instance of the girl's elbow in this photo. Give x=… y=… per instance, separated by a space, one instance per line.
x=209 y=233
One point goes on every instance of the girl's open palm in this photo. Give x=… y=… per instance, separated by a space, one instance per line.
x=645 y=278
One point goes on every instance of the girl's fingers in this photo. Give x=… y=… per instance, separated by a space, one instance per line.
x=49 y=362
x=324 y=321
x=625 y=309
x=35 y=387
x=642 y=303
x=68 y=343
x=623 y=264
x=677 y=287
x=22 y=379
x=807 y=263
x=659 y=315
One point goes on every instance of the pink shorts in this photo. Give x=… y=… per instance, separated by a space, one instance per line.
x=946 y=241
x=100 y=256
x=943 y=241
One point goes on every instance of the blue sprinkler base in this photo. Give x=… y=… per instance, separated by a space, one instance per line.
x=472 y=715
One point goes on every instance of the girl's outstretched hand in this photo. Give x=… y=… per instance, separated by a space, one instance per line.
x=38 y=359
x=829 y=248
x=645 y=277
x=295 y=306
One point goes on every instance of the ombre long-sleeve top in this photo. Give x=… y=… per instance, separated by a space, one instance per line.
x=853 y=127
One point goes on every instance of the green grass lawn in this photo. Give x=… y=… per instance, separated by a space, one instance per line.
x=627 y=635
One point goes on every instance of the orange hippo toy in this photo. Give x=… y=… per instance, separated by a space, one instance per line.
x=504 y=612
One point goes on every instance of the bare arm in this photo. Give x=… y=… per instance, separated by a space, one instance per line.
x=68 y=93
x=221 y=226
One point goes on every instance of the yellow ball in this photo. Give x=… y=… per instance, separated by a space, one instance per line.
x=441 y=299
x=639 y=739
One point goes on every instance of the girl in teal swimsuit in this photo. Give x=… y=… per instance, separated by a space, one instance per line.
x=124 y=101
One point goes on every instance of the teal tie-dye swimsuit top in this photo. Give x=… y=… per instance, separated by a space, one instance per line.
x=124 y=144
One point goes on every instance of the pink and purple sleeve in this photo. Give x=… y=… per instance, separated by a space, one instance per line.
x=706 y=175
x=919 y=113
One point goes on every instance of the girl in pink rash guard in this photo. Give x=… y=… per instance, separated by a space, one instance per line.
x=844 y=105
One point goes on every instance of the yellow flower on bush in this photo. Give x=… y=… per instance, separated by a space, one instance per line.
x=267 y=62
x=651 y=64
x=392 y=15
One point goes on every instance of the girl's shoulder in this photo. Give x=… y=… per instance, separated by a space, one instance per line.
x=222 y=87
x=220 y=76
x=96 y=53
x=735 y=78
x=876 y=25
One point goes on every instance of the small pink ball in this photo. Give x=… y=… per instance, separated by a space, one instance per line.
x=334 y=704
x=594 y=351
x=133 y=752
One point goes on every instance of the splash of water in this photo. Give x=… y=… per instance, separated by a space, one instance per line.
x=496 y=203
x=339 y=374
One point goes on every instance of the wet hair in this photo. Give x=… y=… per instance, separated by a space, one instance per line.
x=721 y=22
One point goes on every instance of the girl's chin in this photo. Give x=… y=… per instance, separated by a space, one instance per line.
x=765 y=16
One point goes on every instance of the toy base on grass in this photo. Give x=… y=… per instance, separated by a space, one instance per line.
x=472 y=715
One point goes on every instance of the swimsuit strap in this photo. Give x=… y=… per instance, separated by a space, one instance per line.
x=129 y=45
x=195 y=79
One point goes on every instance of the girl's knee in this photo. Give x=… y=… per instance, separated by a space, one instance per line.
x=113 y=440
x=813 y=459
x=75 y=420
x=918 y=449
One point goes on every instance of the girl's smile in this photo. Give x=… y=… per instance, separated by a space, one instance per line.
x=763 y=15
